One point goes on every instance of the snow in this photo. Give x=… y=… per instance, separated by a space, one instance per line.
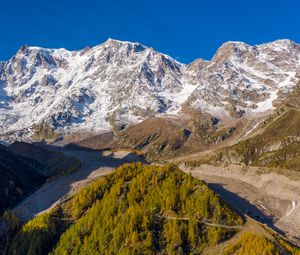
x=288 y=81
x=102 y=91
x=183 y=95
x=292 y=209
x=178 y=98
x=267 y=104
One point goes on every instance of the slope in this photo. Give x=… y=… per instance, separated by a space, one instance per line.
x=165 y=137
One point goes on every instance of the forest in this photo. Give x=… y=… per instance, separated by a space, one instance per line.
x=138 y=209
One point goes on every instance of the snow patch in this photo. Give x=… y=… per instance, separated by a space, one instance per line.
x=292 y=209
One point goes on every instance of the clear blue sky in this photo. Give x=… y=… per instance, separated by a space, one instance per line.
x=183 y=29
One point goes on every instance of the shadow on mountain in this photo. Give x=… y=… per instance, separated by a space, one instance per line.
x=17 y=178
x=243 y=206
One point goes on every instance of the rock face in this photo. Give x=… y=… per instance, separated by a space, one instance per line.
x=46 y=93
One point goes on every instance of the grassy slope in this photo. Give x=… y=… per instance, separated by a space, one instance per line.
x=158 y=137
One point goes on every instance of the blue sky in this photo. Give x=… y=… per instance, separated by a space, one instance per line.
x=183 y=29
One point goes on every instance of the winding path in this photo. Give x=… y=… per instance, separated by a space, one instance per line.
x=201 y=221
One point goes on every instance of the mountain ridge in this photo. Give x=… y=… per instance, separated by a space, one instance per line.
x=48 y=93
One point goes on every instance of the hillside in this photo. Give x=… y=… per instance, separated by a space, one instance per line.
x=252 y=244
x=142 y=200
x=94 y=142
x=142 y=209
x=261 y=167
x=156 y=137
x=166 y=137
x=24 y=167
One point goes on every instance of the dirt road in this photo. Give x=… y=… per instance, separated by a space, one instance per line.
x=93 y=165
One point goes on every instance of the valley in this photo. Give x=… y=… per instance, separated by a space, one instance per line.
x=58 y=188
x=267 y=197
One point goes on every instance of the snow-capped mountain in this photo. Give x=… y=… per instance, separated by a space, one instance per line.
x=118 y=83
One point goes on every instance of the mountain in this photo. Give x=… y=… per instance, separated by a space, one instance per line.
x=245 y=79
x=239 y=108
x=93 y=89
x=52 y=93
x=17 y=178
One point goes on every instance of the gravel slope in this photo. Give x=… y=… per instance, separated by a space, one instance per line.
x=270 y=197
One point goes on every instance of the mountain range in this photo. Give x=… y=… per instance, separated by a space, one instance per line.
x=52 y=93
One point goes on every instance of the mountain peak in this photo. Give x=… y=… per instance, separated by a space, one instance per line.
x=229 y=49
x=115 y=42
x=27 y=48
x=281 y=45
